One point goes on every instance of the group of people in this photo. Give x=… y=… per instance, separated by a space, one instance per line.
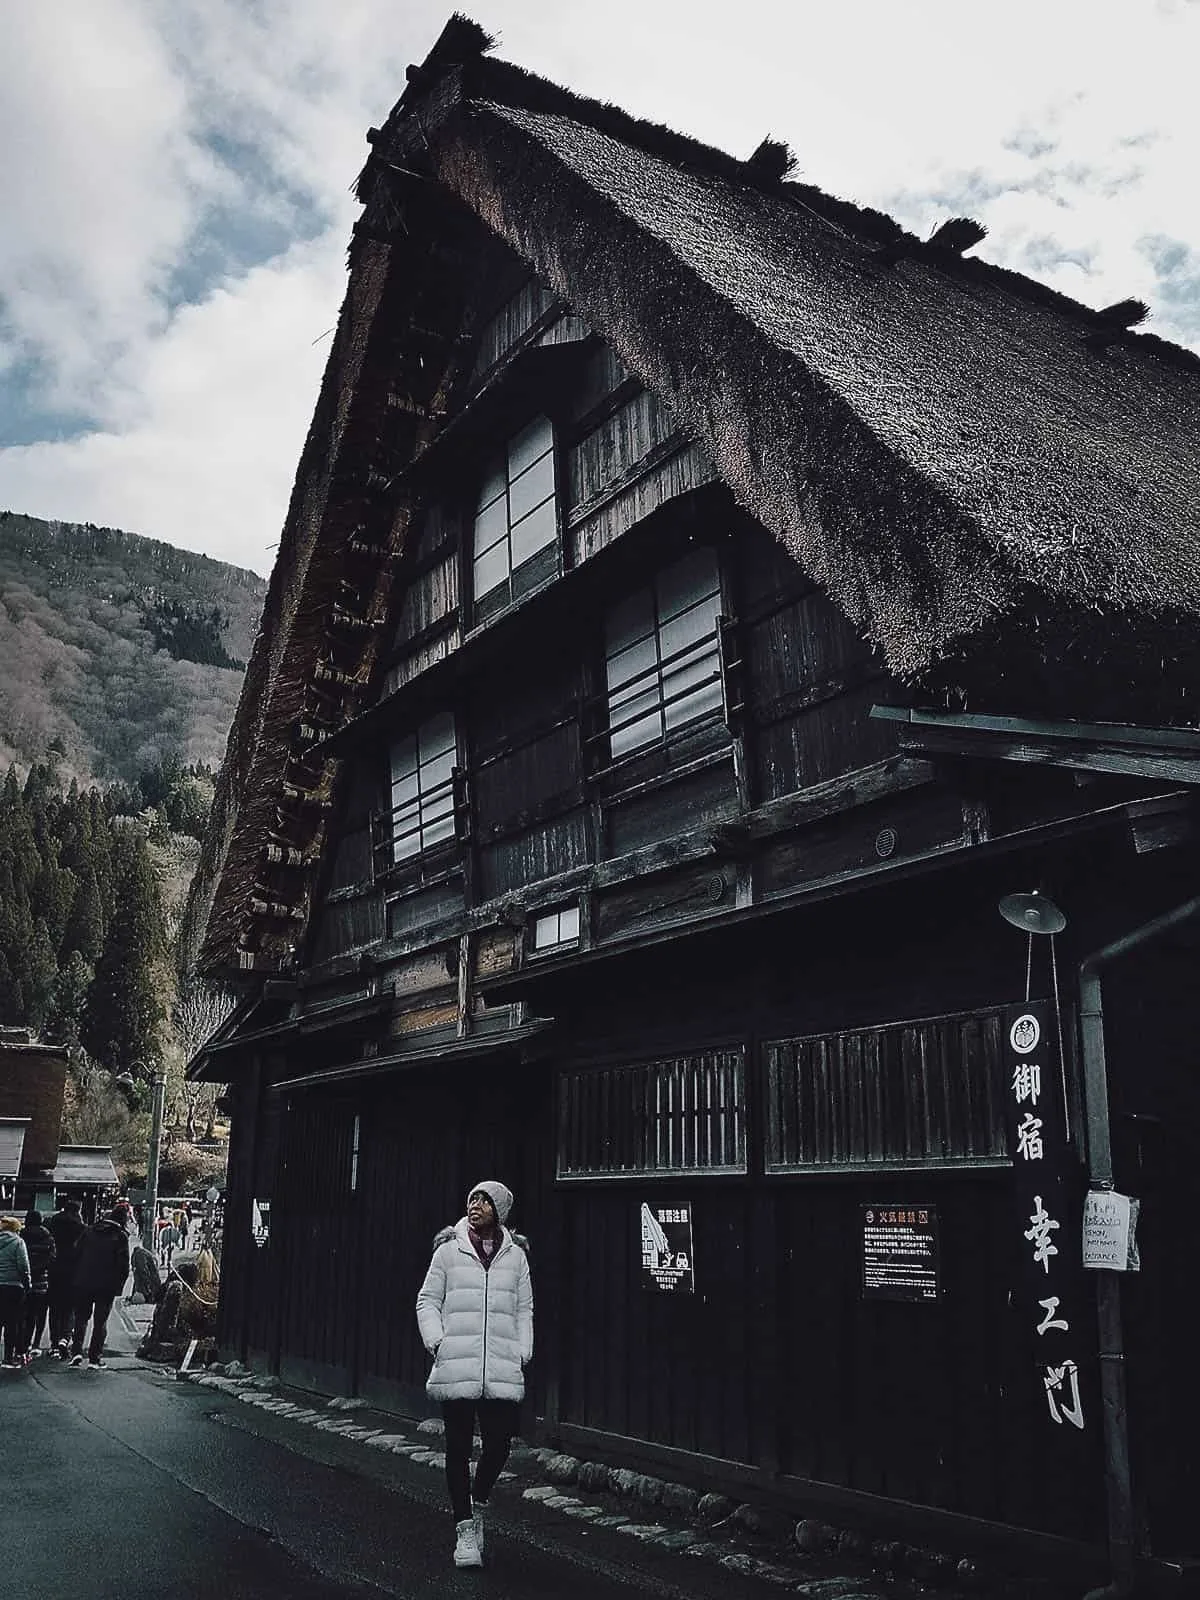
x=63 y=1273
x=173 y=1231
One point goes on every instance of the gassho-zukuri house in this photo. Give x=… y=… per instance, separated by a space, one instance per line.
x=721 y=754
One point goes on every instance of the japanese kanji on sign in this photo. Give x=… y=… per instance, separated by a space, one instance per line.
x=668 y=1262
x=1049 y=1297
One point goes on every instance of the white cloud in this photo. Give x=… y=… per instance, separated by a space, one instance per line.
x=147 y=133
x=208 y=421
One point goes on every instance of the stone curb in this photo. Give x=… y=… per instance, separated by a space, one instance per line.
x=896 y=1569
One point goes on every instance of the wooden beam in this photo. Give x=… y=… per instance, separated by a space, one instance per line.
x=1132 y=761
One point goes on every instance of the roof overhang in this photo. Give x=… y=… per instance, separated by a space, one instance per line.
x=219 y=1059
x=1170 y=754
x=448 y=1051
x=84 y=1166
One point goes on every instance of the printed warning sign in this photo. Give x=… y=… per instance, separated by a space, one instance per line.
x=900 y=1253
x=668 y=1262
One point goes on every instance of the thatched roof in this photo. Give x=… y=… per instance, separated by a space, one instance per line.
x=935 y=444
x=982 y=473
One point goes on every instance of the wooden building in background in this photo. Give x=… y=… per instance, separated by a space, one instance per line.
x=701 y=602
x=36 y=1168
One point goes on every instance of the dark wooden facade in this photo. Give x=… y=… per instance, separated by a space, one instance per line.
x=621 y=892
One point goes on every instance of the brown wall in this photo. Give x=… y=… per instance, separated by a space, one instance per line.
x=33 y=1082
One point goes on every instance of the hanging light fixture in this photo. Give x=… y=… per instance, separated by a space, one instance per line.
x=1035 y=913
x=1032 y=913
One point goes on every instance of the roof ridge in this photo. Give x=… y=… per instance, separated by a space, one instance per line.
x=505 y=82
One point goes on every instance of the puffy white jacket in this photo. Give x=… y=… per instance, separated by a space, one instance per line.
x=476 y=1323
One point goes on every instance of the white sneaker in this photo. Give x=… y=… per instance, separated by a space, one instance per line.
x=477 y=1519
x=466 y=1545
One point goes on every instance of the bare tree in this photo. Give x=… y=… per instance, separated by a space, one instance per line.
x=200 y=1009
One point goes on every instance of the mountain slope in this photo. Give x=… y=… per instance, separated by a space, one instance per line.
x=115 y=650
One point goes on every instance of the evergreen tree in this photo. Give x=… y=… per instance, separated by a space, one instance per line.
x=65 y=1011
x=12 y=1001
x=42 y=969
x=84 y=933
x=123 y=1011
x=54 y=893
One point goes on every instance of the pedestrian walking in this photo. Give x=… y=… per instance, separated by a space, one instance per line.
x=475 y=1315
x=168 y=1240
x=14 y=1284
x=67 y=1229
x=100 y=1275
x=40 y=1247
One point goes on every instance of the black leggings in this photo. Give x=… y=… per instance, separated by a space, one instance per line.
x=12 y=1316
x=497 y=1424
x=37 y=1304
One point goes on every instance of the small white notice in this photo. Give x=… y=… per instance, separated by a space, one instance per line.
x=186 y=1364
x=1109 y=1228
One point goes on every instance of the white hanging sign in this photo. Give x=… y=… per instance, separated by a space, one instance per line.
x=1109 y=1229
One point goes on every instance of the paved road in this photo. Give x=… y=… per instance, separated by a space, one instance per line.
x=129 y=1485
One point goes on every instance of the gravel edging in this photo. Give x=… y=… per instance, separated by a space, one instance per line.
x=810 y=1558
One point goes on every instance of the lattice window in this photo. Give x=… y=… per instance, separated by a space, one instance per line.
x=685 y=1114
x=907 y=1096
x=516 y=523
x=422 y=812
x=663 y=655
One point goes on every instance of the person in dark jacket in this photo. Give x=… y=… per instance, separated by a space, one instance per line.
x=39 y=1242
x=67 y=1229
x=14 y=1282
x=100 y=1275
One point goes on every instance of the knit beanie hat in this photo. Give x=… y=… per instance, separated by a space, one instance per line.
x=500 y=1196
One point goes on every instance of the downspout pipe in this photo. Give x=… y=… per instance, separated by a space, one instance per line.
x=1118 y=1479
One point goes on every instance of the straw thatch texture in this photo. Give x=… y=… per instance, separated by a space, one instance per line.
x=933 y=447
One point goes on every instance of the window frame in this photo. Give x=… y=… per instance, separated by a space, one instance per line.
x=632 y=702
x=444 y=803
x=776 y=1166
x=544 y=562
x=606 y=1086
x=565 y=908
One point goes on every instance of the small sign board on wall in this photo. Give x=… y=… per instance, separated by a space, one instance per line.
x=668 y=1263
x=1110 y=1231
x=900 y=1253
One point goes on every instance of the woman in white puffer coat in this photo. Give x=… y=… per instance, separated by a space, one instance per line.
x=475 y=1315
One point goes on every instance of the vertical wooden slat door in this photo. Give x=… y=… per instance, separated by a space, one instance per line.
x=316 y=1220
x=429 y=1134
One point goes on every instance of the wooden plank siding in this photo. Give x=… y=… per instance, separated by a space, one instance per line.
x=314 y=1217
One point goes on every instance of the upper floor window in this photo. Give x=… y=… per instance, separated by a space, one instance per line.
x=663 y=655
x=554 y=929
x=423 y=788
x=516 y=525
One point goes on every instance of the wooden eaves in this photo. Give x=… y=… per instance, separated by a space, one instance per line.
x=1170 y=754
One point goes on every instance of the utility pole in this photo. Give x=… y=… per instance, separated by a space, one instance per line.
x=150 y=1205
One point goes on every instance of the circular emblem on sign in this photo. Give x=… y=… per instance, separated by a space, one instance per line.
x=1024 y=1034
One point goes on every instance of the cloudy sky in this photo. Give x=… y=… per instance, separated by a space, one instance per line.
x=175 y=206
